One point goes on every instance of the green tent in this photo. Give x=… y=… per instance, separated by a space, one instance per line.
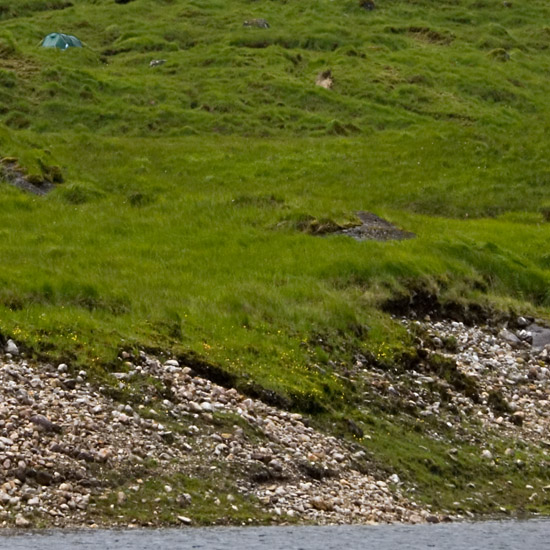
x=61 y=41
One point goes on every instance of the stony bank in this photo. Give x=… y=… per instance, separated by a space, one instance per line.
x=193 y=452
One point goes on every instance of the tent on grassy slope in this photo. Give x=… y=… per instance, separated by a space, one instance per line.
x=61 y=41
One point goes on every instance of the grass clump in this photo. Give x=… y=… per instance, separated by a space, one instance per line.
x=147 y=503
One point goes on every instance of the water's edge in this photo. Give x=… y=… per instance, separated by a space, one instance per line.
x=511 y=534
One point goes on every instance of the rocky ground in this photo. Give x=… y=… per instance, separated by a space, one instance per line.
x=62 y=438
x=503 y=377
x=14 y=175
x=375 y=228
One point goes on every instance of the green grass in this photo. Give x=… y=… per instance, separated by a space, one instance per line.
x=448 y=474
x=148 y=503
x=193 y=243
x=402 y=65
x=178 y=225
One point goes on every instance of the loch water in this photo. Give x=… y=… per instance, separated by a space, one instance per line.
x=490 y=535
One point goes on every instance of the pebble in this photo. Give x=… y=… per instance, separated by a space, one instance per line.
x=20 y=521
x=185 y=520
x=11 y=347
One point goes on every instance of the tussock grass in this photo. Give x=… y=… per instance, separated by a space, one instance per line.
x=221 y=77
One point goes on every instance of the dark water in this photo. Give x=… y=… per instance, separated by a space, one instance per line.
x=516 y=535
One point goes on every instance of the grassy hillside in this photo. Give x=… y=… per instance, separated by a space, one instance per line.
x=404 y=64
x=190 y=189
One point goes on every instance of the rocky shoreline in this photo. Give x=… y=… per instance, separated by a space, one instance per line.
x=62 y=438
x=60 y=435
x=509 y=372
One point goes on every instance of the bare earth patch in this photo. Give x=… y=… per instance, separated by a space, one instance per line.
x=375 y=228
x=12 y=174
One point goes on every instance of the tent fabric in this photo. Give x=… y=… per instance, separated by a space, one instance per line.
x=61 y=41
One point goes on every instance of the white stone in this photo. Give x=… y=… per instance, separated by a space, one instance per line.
x=185 y=520
x=11 y=347
x=20 y=521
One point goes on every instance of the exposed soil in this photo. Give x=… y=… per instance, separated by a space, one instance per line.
x=12 y=174
x=375 y=228
x=417 y=302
